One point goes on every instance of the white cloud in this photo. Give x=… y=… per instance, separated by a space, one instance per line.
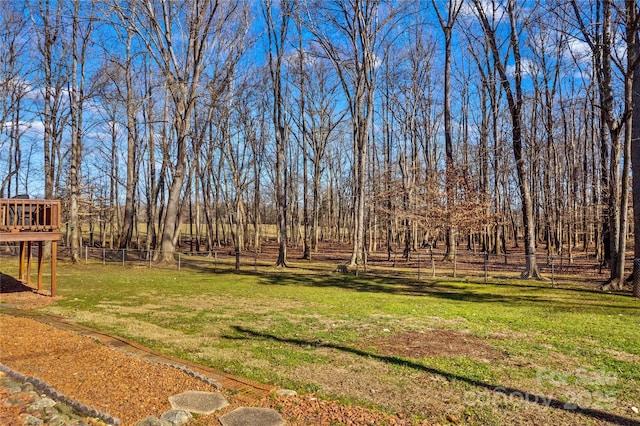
x=527 y=66
x=578 y=50
x=491 y=9
x=27 y=128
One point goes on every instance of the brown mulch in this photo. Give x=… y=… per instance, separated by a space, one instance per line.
x=101 y=377
x=130 y=388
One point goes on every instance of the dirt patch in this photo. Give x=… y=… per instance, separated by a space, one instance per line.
x=437 y=343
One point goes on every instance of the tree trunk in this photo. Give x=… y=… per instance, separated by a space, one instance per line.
x=306 y=243
x=514 y=101
x=132 y=178
x=80 y=41
x=277 y=37
x=450 y=173
x=635 y=158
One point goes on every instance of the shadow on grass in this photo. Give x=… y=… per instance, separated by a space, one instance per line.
x=446 y=289
x=525 y=396
x=9 y=284
x=505 y=293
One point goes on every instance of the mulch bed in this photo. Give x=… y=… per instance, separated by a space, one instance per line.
x=130 y=388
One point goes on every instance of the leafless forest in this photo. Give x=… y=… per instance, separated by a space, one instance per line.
x=385 y=125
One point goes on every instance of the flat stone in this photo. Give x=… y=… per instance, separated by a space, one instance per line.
x=64 y=409
x=33 y=395
x=30 y=420
x=59 y=420
x=245 y=416
x=152 y=421
x=286 y=392
x=198 y=402
x=42 y=404
x=14 y=389
x=176 y=417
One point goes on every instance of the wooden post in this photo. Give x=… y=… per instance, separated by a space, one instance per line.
x=21 y=264
x=54 y=258
x=39 y=266
x=28 y=263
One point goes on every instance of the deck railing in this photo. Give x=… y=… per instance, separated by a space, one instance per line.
x=27 y=215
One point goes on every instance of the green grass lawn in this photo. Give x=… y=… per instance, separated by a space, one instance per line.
x=339 y=335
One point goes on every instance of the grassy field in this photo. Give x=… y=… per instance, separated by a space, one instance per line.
x=479 y=353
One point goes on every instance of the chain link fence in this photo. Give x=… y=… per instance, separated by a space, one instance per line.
x=422 y=265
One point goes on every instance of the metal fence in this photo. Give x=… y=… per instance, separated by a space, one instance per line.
x=423 y=265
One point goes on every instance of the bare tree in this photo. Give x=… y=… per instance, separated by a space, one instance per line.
x=635 y=147
x=446 y=24
x=277 y=34
x=632 y=144
x=13 y=90
x=47 y=20
x=131 y=108
x=306 y=243
x=82 y=25
x=356 y=29
x=601 y=44
x=177 y=35
x=514 y=100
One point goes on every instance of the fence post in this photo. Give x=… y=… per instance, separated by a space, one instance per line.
x=455 y=265
x=418 y=266
x=215 y=261
x=103 y=256
x=486 y=266
x=179 y=260
x=433 y=265
x=123 y=255
x=150 y=257
x=553 y=274
x=636 y=276
x=86 y=254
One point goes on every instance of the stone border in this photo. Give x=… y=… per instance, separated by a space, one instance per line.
x=131 y=348
x=45 y=388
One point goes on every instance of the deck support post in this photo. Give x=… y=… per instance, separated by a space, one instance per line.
x=27 y=221
x=40 y=246
x=21 y=264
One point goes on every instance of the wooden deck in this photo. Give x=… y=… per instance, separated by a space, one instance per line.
x=29 y=221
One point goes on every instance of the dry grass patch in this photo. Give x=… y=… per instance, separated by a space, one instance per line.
x=624 y=356
x=377 y=383
x=437 y=343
